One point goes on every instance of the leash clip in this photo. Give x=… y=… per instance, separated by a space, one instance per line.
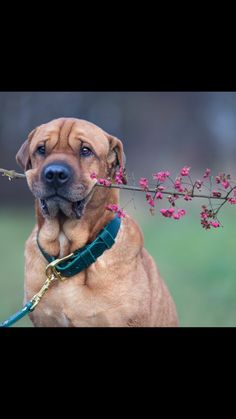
x=51 y=275
x=37 y=297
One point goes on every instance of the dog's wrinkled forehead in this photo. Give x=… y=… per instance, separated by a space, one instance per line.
x=64 y=132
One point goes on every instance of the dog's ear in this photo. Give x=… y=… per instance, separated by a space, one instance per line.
x=23 y=157
x=116 y=156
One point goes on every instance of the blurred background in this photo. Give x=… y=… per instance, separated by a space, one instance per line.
x=160 y=131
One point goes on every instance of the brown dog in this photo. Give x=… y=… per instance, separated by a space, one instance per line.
x=122 y=287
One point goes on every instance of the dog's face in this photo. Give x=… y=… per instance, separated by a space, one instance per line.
x=59 y=158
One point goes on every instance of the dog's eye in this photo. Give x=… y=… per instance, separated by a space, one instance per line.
x=41 y=150
x=85 y=152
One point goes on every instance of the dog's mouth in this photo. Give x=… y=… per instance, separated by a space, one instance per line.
x=54 y=204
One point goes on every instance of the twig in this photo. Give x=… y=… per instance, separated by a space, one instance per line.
x=225 y=198
x=12 y=174
x=153 y=190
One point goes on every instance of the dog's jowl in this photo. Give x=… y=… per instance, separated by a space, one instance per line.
x=111 y=280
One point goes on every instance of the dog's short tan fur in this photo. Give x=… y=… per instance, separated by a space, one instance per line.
x=123 y=286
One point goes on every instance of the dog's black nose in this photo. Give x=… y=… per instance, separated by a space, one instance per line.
x=56 y=174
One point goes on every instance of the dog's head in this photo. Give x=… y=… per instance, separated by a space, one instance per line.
x=59 y=158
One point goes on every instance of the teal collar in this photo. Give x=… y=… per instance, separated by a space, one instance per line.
x=84 y=257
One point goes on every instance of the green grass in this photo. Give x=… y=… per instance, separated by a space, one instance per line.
x=15 y=227
x=197 y=265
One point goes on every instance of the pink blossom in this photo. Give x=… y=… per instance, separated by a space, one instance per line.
x=204 y=213
x=216 y=193
x=161 y=176
x=161 y=188
x=181 y=212
x=214 y=224
x=207 y=173
x=172 y=198
x=225 y=183
x=151 y=202
x=232 y=200
x=178 y=185
x=223 y=179
x=187 y=197
x=118 y=180
x=167 y=212
x=148 y=196
x=198 y=183
x=164 y=212
x=185 y=171
x=112 y=207
x=206 y=224
x=234 y=191
x=159 y=195
x=93 y=175
x=104 y=182
x=143 y=182
x=121 y=214
x=119 y=176
x=176 y=216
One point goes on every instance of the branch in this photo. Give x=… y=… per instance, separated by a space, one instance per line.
x=12 y=174
x=138 y=189
x=180 y=189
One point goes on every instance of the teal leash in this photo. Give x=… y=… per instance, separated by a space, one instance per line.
x=18 y=315
x=69 y=265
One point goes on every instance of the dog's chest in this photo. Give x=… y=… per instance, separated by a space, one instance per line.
x=83 y=300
